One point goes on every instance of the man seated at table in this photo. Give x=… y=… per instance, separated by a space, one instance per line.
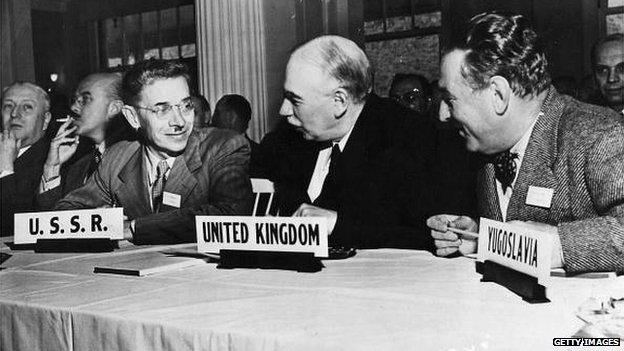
x=371 y=178
x=497 y=90
x=23 y=148
x=98 y=122
x=608 y=65
x=172 y=172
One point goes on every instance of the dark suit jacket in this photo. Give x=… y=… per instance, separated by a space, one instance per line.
x=20 y=188
x=211 y=178
x=74 y=171
x=386 y=180
x=576 y=149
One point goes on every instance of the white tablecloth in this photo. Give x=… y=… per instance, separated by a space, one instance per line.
x=377 y=300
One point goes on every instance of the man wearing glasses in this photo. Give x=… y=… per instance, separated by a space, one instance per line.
x=171 y=173
x=96 y=118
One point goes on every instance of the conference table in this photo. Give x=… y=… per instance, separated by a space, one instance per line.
x=384 y=299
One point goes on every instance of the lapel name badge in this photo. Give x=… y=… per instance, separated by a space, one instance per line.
x=171 y=199
x=540 y=197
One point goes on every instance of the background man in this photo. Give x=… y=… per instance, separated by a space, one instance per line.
x=203 y=112
x=234 y=112
x=370 y=178
x=501 y=99
x=97 y=118
x=171 y=173
x=608 y=65
x=411 y=91
x=23 y=148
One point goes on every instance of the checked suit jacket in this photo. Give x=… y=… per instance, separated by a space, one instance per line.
x=577 y=150
x=210 y=177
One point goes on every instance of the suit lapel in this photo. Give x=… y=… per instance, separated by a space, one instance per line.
x=133 y=190
x=538 y=162
x=181 y=180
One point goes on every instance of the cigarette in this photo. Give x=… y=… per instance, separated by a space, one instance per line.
x=63 y=120
x=464 y=233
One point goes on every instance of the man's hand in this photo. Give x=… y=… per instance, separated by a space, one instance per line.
x=62 y=148
x=556 y=256
x=448 y=242
x=307 y=210
x=9 y=148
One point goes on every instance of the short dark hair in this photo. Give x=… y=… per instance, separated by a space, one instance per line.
x=616 y=37
x=236 y=103
x=145 y=73
x=507 y=46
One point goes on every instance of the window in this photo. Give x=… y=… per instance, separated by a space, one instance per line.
x=168 y=34
x=612 y=17
x=402 y=36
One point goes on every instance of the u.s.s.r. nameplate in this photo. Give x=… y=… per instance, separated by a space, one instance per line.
x=275 y=234
x=101 y=223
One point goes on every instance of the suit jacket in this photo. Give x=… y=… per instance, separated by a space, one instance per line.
x=385 y=180
x=210 y=176
x=74 y=171
x=576 y=149
x=20 y=188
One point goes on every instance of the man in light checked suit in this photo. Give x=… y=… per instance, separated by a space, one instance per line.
x=497 y=90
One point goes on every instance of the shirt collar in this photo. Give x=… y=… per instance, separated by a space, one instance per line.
x=23 y=150
x=343 y=141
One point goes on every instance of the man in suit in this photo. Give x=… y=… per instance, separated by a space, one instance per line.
x=497 y=90
x=370 y=178
x=608 y=65
x=23 y=148
x=171 y=173
x=97 y=120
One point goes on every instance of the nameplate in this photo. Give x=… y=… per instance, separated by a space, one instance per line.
x=101 y=223
x=276 y=234
x=516 y=247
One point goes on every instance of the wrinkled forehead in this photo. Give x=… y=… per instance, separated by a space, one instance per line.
x=165 y=90
x=302 y=74
x=21 y=93
x=610 y=52
x=450 y=70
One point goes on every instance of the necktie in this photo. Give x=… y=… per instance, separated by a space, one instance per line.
x=505 y=168
x=96 y=157
x=159 y=185
x=328 y=198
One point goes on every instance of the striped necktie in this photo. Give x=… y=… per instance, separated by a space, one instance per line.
x=159 y=185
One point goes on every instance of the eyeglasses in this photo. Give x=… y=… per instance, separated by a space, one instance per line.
x=412 y=97
x=185 y=107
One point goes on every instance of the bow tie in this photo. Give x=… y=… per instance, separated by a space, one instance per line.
x=505 y=168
